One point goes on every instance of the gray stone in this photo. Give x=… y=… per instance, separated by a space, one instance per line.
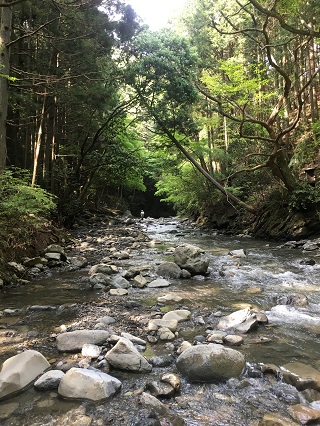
x=120 y=282
x=126 y=357
x=100 y=279
x=208 y=363
x=74 y=340
x=192 y=259
x=85 y=384
x=49 y=380
x=103 y=268
x=158 y=283
x=139 y=281
x=168 y=270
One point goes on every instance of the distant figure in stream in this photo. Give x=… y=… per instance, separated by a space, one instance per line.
x=141 y=215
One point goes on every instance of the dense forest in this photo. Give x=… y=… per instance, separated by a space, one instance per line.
x=218 y=115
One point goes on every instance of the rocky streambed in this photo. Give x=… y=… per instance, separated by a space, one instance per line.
x=157 y=323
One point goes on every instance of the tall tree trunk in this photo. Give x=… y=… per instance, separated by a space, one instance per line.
x=5 y=35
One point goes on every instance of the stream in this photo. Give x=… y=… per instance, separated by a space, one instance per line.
x=34 y=312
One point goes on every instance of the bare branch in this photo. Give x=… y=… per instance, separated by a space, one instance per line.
x=272 y=13
x=31 y=33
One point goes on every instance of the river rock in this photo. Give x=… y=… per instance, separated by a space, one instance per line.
x=49 y=380
x=139 y=281
x=179 y=315
x=94 y=385
x=168 y=270
x=126 y=357
x=234 y=320
x=304 y=414
x=158 y=283
x=21 y=370
x=119 y=282
x=17 y=268
x=118 y=292
x=173 y=379
x=153 y=403
x=237 y=253
x=134 y=339
x=183 y=346
x=89 y=350
x=300 y=375
x=54 y=248
x=78 y=261
x=165 y=333
x=100 y=279
x=212 y=362
x=103 y=268
x=160 y=389
x=191 y=258
x=276 y=419
x=74 y=340
x=156 y=323
x=233 y=340
x=169 y=298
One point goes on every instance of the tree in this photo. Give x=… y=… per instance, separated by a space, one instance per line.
x=162 y=70
x=256 y=80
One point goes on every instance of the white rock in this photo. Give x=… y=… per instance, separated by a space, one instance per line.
x=179 y=315
x=118 y=292
x=21 y=370
x=155 y=324
x=95 y=385
x=169 y=298
x=92 y=351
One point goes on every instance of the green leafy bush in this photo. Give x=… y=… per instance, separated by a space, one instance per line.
x=19 y=200
x=305 y=196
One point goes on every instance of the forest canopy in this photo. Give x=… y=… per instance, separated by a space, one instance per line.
x=102 y=111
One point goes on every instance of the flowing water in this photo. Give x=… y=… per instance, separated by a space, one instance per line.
x=268 y=271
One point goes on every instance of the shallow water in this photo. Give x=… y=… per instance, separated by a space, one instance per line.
x=267 y=272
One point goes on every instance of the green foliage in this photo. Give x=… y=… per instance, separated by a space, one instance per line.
x=160 y=68
x=19 y=201
x=305 y=196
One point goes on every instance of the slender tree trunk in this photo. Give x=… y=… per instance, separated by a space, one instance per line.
x=38 y=144
x=5 y=35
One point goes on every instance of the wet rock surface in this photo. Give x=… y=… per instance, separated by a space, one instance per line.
x=149 y=328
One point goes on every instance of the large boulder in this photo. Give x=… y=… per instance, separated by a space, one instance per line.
x=125 y=356
x=74 y=340
x=210 y=363
x=21 y=370
x=168 y=270
x=192 y=259
x=94 y=385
